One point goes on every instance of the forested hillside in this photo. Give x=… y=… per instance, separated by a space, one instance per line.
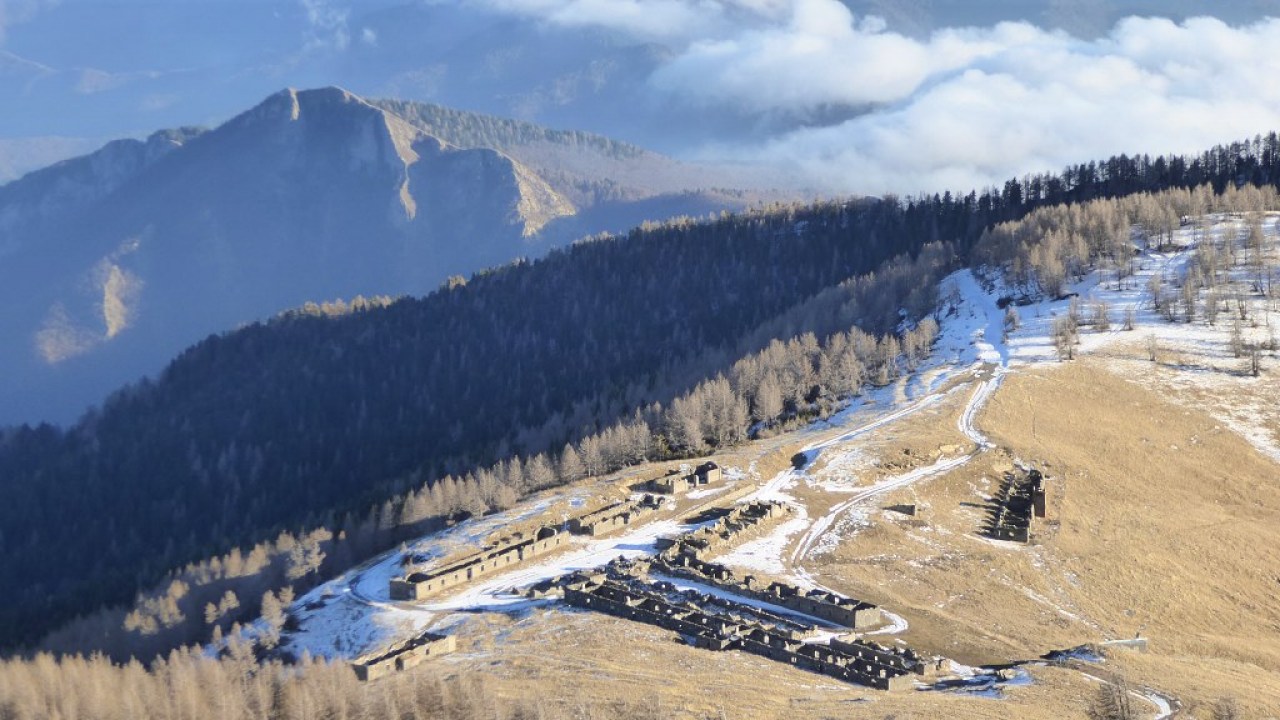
x=292 y=423
x=283 y=423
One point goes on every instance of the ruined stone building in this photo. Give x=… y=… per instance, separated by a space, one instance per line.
x=1021 y=498
x=503 y=554
x=614 y=517
x=675 y=483
x=740 y=523
x=836 y=609
x=403 y=656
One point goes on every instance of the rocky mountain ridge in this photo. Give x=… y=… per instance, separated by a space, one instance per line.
x=113 y=262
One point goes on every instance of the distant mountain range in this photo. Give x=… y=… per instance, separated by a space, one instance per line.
x=112 y=262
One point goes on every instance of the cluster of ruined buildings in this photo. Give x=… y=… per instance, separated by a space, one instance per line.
x=735 y=618
x=716 y=623
x=1021 y=498
x=624 y=589
x=403 y=656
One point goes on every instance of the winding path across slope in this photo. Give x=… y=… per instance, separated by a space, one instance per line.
x=825 y=523
x=995 y=358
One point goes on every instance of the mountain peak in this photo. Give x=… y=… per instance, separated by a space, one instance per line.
x=292 y=104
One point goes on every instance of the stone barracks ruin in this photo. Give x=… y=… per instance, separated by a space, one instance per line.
x=776 y=620
x=717 y=623
x=1021 y=498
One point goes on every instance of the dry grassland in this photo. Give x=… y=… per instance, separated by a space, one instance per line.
x=1162 y=522
x=589 y=665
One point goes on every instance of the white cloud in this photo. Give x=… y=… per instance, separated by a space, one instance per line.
x=92 y=80
x=13 y=12
x=665 y=20
x=958 y=109
x=326 y=25
x=1149 y=87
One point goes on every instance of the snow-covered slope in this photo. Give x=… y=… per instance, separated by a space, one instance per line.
x=1194 y=360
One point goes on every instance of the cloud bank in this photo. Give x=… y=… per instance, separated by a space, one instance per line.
x=958 y=109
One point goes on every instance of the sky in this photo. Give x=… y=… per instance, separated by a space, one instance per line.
x=861 y=96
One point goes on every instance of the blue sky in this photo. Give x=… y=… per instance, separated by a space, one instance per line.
x=861 y=96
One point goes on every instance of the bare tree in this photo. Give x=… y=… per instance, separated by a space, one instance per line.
x=305 y=556
x=273 y=615
x=570 y=466
x=592 y=453
x=1102 y=316
x=1155 y=287
x=1211 y=307
x=1064 y=338
x=1113 y=701
x=1188 y=299
x=1011 y=319
x=539 y=473
x=1074 y=315
x=1256 y=244
x=767 y=404
x=1226 y=708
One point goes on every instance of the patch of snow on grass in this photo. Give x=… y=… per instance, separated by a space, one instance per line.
x=706 y=492
x=765 y=554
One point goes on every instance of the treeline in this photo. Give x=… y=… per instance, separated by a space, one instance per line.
x=1056 y=245
x=1249 y=162
x=189 y=686
x=310 y=421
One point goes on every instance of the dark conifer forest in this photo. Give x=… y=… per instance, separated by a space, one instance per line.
x=325 y=412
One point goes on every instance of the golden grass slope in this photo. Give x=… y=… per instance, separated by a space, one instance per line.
x=1162 y=522
x=1170 y=524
